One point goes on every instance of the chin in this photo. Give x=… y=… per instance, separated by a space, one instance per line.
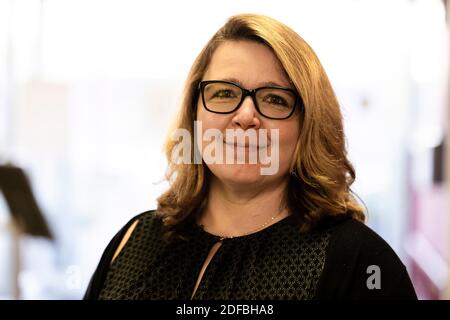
x=238 y=173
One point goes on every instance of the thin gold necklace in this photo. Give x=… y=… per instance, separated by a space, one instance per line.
x=221 y=238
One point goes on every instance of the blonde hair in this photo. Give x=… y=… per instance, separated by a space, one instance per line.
x=321 y=174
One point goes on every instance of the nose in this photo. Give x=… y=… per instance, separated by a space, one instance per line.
x=246 y=117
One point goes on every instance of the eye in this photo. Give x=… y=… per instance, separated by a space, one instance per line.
x=223 y=94
x=275 y=99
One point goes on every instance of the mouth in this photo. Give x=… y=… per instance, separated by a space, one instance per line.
x=245 y=145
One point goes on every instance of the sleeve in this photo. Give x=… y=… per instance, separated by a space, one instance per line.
x=100 y=273
x=360 y=265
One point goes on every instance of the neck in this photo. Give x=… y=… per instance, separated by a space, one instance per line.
x=234 y=211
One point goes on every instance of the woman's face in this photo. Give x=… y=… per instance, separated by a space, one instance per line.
x=252 y=65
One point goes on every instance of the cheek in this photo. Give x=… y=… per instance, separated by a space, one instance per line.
x=211 y=120
x=288 y=138
x=204 y=116
x=288 y=141
x=208 y=125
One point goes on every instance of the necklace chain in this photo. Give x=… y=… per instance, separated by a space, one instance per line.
x=252 y=231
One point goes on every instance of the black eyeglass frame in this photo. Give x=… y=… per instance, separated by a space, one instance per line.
x=252 y=93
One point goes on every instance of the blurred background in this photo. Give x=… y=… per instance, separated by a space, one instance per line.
x=88 y=89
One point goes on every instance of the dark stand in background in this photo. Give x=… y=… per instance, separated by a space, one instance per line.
x=26 y=217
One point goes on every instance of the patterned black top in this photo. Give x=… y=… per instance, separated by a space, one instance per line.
x=275 y=263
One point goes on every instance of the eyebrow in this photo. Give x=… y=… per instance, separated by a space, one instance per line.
x=262 y=84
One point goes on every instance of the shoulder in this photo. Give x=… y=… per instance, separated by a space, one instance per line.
x=135 y=226
x=148 y=221
x=351 y=235
x=362 y=265
x=147 y=217
x=138 y=229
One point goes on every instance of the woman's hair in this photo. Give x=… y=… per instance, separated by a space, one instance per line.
x=321 y=174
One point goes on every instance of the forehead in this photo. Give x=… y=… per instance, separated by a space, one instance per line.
x=252 y=64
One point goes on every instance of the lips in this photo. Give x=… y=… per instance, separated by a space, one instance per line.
x=241 y=139
x=246 y=145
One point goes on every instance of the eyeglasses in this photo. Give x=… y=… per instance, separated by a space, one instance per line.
x=226 y=97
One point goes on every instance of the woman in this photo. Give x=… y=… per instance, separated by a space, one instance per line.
x=229 y=230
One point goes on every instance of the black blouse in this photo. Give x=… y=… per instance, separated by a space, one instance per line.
x=345 y=260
